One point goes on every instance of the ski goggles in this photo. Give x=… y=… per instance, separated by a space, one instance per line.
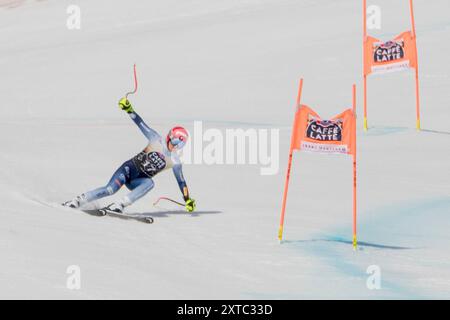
x=178 y=142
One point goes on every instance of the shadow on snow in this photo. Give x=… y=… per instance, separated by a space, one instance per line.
x=168 y=213
x=349 y=242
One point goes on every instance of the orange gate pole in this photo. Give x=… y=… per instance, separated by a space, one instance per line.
x=413 y=26
x=364 y=62
x=355 y=242
x=288 y=174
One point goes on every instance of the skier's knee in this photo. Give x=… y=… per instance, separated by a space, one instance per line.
x=112 y=188
x=116 y=184
x=149 y=186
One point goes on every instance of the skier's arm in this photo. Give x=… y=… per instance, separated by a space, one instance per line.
x=148 y=132
x=178 y=172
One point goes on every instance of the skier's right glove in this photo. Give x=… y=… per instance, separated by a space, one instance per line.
x=125 y=105
x=190 y=205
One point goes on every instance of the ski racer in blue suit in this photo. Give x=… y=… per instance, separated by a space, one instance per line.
x=137 y=173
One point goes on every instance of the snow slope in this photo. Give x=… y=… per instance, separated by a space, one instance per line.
x=231 y=64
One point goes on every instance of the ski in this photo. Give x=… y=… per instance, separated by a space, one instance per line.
x=105 y=212
x=96 y=212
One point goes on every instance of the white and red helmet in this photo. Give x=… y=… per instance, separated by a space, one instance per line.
x=178 y=137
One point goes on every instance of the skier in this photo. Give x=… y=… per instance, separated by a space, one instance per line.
x=137 y=173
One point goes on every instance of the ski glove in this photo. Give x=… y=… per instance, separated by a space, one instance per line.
x=125 y=105
x=190 y=205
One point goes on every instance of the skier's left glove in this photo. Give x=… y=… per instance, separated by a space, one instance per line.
x=125 y=105
x=190 y=205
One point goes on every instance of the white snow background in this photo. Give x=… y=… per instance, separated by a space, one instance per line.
x=230 y=64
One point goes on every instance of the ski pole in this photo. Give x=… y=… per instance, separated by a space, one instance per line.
x=168 y=199
x=135 y=83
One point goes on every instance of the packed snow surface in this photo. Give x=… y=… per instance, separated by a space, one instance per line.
x=231 y=64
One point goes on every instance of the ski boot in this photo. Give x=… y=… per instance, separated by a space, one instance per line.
x=75 y=203
x=114 y=208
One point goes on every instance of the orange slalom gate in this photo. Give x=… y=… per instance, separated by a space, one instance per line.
x=396 y=54
x=313 y=134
